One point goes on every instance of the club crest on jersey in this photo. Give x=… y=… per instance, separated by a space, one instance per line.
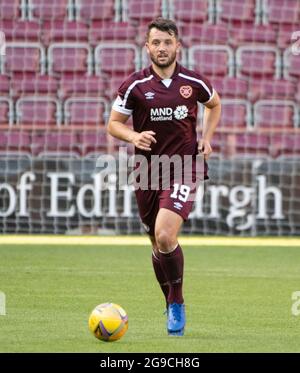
x=186 y=91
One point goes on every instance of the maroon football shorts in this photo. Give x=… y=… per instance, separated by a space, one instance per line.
x=179 y=199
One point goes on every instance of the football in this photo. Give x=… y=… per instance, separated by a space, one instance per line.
x=108 y=322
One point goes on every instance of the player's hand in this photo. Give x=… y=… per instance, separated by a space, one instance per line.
x=204 y=148
x=143 y=140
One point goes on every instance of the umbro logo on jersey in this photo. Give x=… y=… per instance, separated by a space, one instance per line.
x=149 y=95
x=178 y=205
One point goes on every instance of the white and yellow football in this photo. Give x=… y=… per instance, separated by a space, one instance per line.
x=108 y=322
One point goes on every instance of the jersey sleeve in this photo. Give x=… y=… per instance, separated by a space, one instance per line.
x=124 y=103
x=206 y=91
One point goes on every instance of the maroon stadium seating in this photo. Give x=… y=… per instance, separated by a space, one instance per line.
x=112 y=31
x=281 y=12
x=195 y=33
x=64 y=30
x=275 y=114
x=69 y=57
x=13 y=140
x=36 y=110
x=246 y=33
x=82 y=86
x=45 y=9
x=236 y=11
x=85 y=111
x=95 y=10
x=117 y=58
x=24 y=57
x=212 y=59
x=28 y=84
x=4 y=85
x=190 y=10
x=143 y=10
x=21 y=30
x=91 y=141
x=236 y=114
x=258 y=61
x=46 y=142
x=231 y=87
x=269 y=89
x=10 y=9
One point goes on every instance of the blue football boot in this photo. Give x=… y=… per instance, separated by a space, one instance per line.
x=176 y=319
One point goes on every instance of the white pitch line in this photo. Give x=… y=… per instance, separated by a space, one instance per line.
x=143 y=240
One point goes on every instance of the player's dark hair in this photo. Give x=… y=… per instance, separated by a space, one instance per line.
x=163 y=24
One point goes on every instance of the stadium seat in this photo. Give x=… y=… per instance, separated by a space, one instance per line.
x=83 y=111
x=191 y=11
x=13 y=140
x=21 y=30
x=212 y=60
x=114 y=84
x=142 y=11
x=246 y=33
x=285 y=144
x=64 y=31
x=4 y=85
x=90 y=86
x=284 y=37
x=281 y=12
x=48 y=10
x=230 y=87
x=271 y=88
x=33 y=84
x=11 y=9
x=6 y=110
x=88 y=10
x=117 y=58
x=206 y=33
x=237 y=11
x=112 y=31
x=38 y=110
x=258 y=61
x=236 y=114
x=49 y=143
x=252 y=143
x=69 y=58
x=93 y=141
x=24 y=57
x=279 y=114
x=291 y=64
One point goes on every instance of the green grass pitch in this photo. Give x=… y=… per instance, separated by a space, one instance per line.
x=238 y=294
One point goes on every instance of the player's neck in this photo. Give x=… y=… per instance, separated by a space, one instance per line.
x=164 y=73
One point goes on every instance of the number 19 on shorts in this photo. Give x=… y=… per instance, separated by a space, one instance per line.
x=181 y=192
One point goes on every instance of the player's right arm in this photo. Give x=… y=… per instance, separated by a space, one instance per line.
x=117 y=128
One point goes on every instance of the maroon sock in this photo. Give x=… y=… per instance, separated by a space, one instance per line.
x=172 y=265
x=160 y=276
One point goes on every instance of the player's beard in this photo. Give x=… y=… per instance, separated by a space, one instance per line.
x=169 y=60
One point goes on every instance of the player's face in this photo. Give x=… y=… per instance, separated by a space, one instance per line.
x=162 y=48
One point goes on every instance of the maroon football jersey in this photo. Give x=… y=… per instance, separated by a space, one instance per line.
x=166 y=106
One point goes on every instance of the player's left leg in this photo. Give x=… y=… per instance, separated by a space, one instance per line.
x=167 y=227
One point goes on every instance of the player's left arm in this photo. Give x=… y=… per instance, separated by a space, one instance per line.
x=212 y=113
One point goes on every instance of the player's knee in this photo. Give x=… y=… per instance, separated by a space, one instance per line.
x=164 y=240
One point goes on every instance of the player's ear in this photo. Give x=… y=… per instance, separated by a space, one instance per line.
x=147 y=47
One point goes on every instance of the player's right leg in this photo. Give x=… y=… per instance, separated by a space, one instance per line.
x=167 y=227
